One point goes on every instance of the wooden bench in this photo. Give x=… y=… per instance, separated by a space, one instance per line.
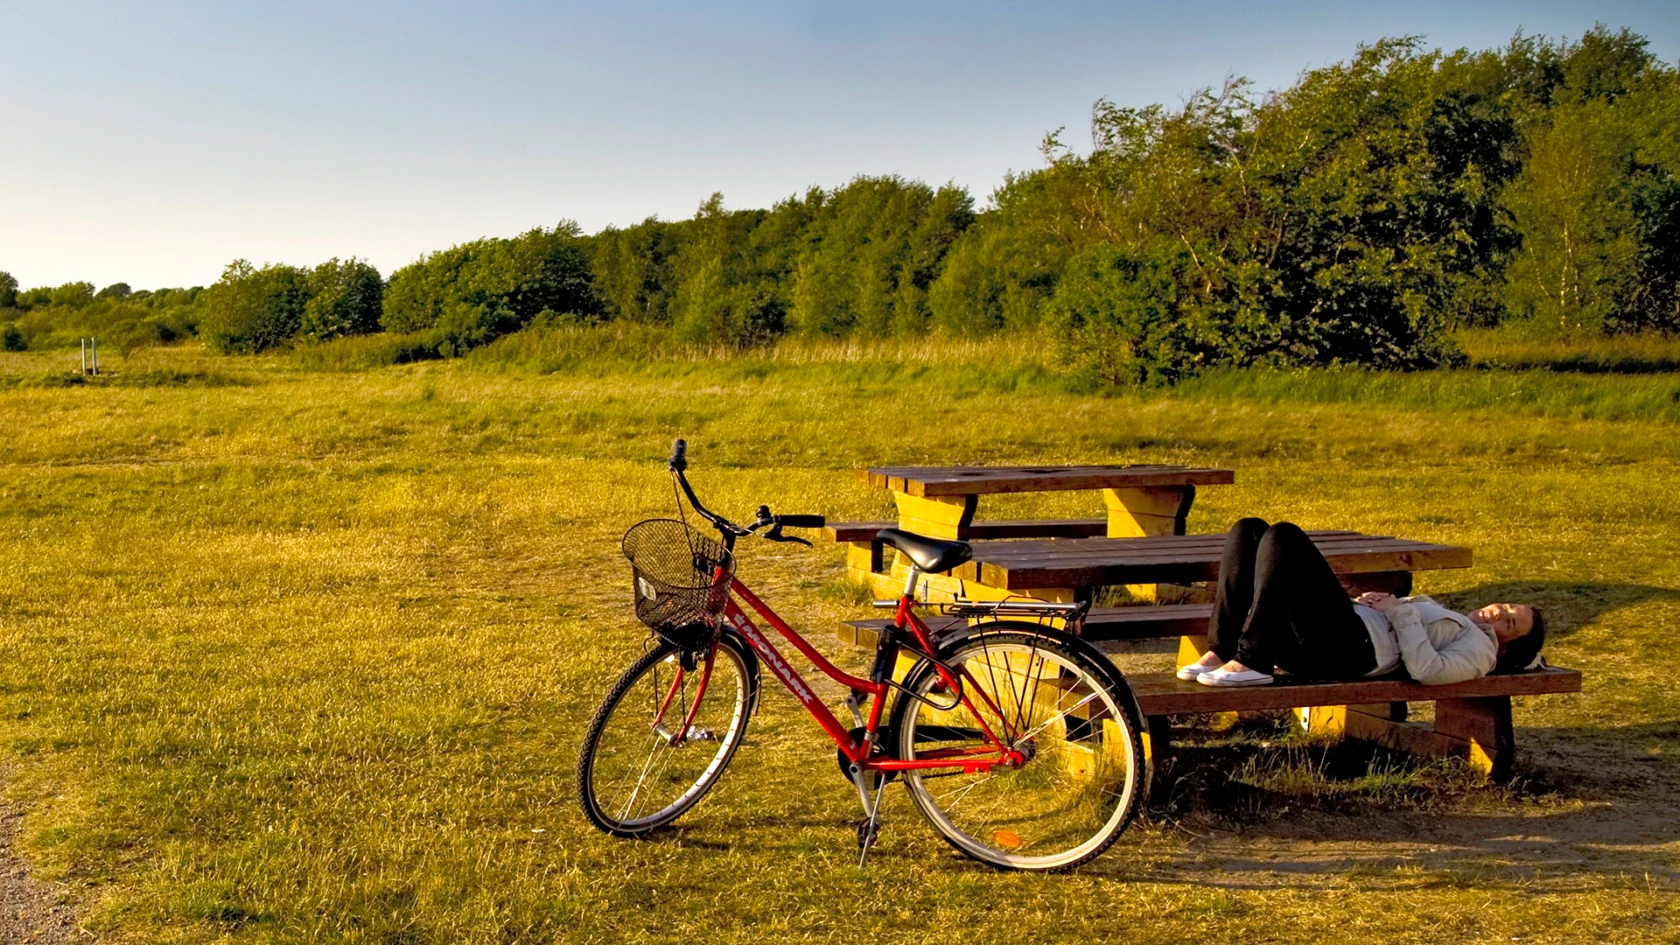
x=1472 y=719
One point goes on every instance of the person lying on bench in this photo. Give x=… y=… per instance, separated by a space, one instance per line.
x=1280 y=606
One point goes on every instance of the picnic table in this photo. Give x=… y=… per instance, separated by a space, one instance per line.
x=941 y=502
x=1143 y=543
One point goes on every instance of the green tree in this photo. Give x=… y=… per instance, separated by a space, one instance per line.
x=872 y=251
x=68 y=295
x=252 y=310
x=345 y=298
x=1598 y=201
x=8 y=290
x=1124 y=316
x=470 y=294
x=1580 y=253
x=721 y=295
x=632 y=270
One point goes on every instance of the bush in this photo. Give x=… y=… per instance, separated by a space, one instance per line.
x=12 y=338
x=468 y=295
x=252 y=310
x=1120 y=317
x=345 y=298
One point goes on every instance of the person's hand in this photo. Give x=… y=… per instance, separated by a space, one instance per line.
x=1378 y=600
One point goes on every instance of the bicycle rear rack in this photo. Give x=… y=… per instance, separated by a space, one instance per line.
x=1020 y=607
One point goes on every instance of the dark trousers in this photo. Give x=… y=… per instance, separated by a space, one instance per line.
x=1280 y=606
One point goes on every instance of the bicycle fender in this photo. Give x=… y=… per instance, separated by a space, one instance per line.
x=754 y=674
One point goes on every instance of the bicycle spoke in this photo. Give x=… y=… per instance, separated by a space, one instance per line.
x=630 y=802
x=963 y=792
x=634 y=775
x=1055 y=718
x=1071 y=791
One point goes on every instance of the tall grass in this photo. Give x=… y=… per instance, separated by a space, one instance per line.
x=361 y=352
x=1527 y=346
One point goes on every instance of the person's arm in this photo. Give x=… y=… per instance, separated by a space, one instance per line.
x=1468 y=656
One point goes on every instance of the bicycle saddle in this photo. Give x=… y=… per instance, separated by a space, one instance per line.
x=930 y=554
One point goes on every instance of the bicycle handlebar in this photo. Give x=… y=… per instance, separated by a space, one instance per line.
x=773 y=524
x=802 y=521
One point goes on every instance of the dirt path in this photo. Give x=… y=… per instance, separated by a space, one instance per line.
x=30 y=911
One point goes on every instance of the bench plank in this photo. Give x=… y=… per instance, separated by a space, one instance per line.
x=1165 y=694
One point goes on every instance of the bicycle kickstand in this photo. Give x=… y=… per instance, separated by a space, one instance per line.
x=872 y=811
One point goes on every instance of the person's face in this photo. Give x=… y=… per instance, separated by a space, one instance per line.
x=1507 y=621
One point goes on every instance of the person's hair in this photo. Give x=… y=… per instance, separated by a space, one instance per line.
x=1519 y=653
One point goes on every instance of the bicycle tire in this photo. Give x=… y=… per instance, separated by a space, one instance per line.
x=1082 y=783
x=623 y=745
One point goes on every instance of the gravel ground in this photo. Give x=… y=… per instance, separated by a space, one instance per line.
x=30 y=911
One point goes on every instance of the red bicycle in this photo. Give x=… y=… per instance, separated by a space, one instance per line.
x=1018 y=742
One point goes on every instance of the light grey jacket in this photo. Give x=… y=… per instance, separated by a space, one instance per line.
x=1440 y=646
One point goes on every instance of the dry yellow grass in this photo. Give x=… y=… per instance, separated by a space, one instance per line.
x=304 y=657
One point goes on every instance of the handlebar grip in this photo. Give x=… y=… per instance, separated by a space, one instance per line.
x=802 y=521
x=679 y=456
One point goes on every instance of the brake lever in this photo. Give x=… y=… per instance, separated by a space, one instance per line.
x=775 y=534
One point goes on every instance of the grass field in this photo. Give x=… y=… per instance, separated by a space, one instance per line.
x=298 y=655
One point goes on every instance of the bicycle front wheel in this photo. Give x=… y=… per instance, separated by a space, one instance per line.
x=1069 y=714
x=641 y=767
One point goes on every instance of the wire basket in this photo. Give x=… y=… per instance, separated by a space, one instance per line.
x=673 y=570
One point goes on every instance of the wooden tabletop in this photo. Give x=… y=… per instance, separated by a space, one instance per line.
x=987 y=480
x=1179 y=559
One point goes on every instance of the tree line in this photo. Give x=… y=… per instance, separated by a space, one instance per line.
x=1353 y=218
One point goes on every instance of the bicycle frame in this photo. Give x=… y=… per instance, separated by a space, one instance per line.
x=856 y=750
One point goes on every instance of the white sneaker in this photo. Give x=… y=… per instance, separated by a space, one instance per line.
x=1190 y=671
x=1224 y=677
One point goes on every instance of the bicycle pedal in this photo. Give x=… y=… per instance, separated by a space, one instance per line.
x=868 y=831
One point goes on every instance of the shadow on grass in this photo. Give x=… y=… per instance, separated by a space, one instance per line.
x=1263 y=800
x=1568 y=605
x=1587 y=364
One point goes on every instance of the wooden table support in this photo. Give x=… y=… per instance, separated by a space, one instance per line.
x=1477 y=730
x=1136 y=513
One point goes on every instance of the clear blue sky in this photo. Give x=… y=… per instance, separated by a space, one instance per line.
x=154 y=142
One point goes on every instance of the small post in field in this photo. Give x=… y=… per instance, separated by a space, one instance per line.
x=90 y=356
x=84 y=355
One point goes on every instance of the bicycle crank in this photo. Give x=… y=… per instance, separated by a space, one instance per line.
x=883 y=736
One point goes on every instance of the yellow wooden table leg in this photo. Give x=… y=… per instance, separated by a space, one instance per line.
x=936 y=516
x=864 y=559
x=1135 y=513
x=1484 y=727
x=1190 y=649
x=1139 y=513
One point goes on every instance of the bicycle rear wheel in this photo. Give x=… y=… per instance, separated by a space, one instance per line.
x=633 y=773
x=1060 y=704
